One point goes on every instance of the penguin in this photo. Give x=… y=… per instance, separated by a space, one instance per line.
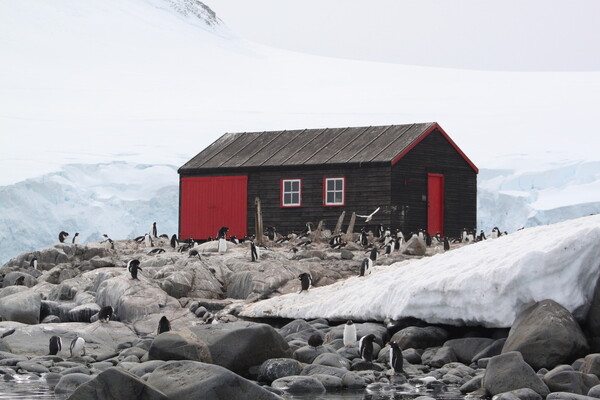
x=420 y=234
x=379 y=231
x=133 y=266
x=163 y=325
x=389 y=248
x=305 y=243
x=77 y=347
x=20 y=281
x=481 y=236
x=75 y=238
x=396 y=359
x=335 y=241
x=446 y=243
x=148 y=240
x=34 y=263
x=62 y=236
x=307 y=231
x=365 y=267
x=271 y=232
x=193 y=253
x=108 y=243
x=164 y=236
x=373 y=255
x=428 y=240
x=174 y=242
x=305 y=281
x=222 y=245
x=315 y=340
x=234 y=239
x=254 y=252
x=364 y=239
x=55 y=345
x=495 y=233
x=105 y=314
x=154 y=230
x=222 y=233
x=437 y=237
x=365 y=347
x=349 y=334
x=156 y=251
x=463 y=235
x=139 y=239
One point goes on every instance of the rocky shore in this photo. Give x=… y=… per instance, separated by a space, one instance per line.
x=212 y=353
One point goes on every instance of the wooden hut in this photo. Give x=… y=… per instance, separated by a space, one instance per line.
x=415 y=174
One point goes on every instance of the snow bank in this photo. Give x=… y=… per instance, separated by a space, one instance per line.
x=486 y=283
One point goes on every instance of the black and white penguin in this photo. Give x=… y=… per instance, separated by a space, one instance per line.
x=335 y=241
x=154 y=230
x=75 y=238
x=305 y=281
x=271 y=232
x=315 y=340
x=495 y=233
x=234 y=239
x=77 y=347
x=307 y=231
x=105 y=314
x=222 y=245
x=222 y=234
x=446 y=243
x=305 y=243
x=254 y=252
x=379 y=231
x=365 y=347
x=364 y=238
x=396 y=359
x=349 y=334
x=34 y=263
x=163 y=325
x=20 y=281
x=133 y=266
x=108 y=242
x=174 y=241
x=62 y=236
x=365 y=267
x=373 y=255
x=428 y=240
x=481 y=236
x=158 y=250
x=148 y=240
x=55 y=345
x=389 y=248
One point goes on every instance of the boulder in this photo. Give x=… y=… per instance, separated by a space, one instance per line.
x=63 y=292
x=438 y=356
x=307 y=354
x=21 y=307
x=68 y=383
x=313 y=369
x=508 y=372
x=546 y=334
x=380 y=332
x=567 y=396
x=298 y=329
x=116 y=384
x=180 y=345
x=519 y=394
x=299 y=385
x=276 y=368
x=591 y=364
x=594 y=391
x=466 y=348
x=192 y=379
x=494 y=349
x=564 y=379
x=83 y=313
x=332 y=360
x=238 y=346
x=415 y=247
x=11 y=277
x=420 y=338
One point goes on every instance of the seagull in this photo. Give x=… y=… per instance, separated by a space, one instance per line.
x=368 y=217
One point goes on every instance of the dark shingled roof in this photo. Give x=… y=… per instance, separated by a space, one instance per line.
x=372 y=144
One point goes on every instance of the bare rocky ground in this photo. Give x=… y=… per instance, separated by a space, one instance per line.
x=210 y=351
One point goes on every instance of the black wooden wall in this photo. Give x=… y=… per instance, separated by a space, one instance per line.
x=434 y=154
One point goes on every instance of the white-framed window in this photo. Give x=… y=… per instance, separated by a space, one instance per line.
x=291 y=192
x=334 y=191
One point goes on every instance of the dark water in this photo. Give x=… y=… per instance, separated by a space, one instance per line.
x=25 y=387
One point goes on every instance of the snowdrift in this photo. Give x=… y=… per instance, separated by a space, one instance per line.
x=485 y=283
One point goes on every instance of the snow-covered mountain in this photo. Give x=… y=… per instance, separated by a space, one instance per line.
x=134 y=88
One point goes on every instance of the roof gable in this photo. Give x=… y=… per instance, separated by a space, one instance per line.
x=357 y=145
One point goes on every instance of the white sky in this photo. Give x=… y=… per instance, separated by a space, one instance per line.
x=518 y=35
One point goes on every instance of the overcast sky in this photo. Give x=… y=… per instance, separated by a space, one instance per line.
x=519 y=35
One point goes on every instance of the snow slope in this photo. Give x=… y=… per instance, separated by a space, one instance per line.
x=486 y=283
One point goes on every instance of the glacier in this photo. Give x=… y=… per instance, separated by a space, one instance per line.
x=485 y=283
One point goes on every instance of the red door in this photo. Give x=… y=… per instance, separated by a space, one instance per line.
x=208 y=203
x=435 y=204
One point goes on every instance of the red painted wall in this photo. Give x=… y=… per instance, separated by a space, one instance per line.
x=208 y=203
x=435 y=204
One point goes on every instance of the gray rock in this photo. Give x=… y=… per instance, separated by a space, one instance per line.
x=307 y=354
x=299 y=385
x=346 y=254
x=420 y=338
x=466 y=348
x=21 y=307
x=32 y=367
x=68 y=383
x=62 y=292
x=188 y=379
x=238 y=346
x=50 y=319
x=380 y=332
x=80 y=369
x=11 y=277
x=594 y=391
x=84 y=312
x=412 y=356
x=564 y=379
x=508 y=372
x=180 y=345
x=415 y=247
x=471 y=385
x=519 y=394
x=276 y=368
x=591 y=364
x=349 y=352
x=351 y=380
x=547 y=335
x=494 y=349
x=332 y=360
x=329 y=382
x=437 y=357
x=134 y=351
x=567 y=396
x=312 y=369
x=146 y=367
x=116 y=384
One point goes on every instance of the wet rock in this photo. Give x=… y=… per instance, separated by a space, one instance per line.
x=564 y=379
x=332 y=360
x=519 y=394
x=494 y=349
x=351 y=380
x=68 y=383
x=546 y=334
x=312 y=369
x=116 y=384
x=32 y=367
x=438 y=356
x=297 y=329
x=466 y=348
x=179 y=345
x=508 y=372
x=276 y=368
x=420 y=338
x=307 y=354
x=329 y=382
x=299 y=385
x=471 y=385
x=21 y=307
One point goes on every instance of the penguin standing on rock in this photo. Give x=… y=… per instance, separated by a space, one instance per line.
x=133 y=266
x=163 y=325
x=34 y=263
x=75 y=238
x=55 y=345
x=62 y=236
x=446 y=243
x=105 y=314
x=77 y=347
x=365 y=347
x=373 y=255
x=254 y=252
x=305 y=281
x=365 y=267
x=148 y=240
x=154 y=230
x=396 y=359
x=174 y=242
x=349 y=334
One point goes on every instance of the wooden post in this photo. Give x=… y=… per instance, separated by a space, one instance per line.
x=338 y=226
x=317 y=234
x=258 y=222
x=350 y=230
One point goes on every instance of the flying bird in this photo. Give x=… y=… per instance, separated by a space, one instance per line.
x=370 y=216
